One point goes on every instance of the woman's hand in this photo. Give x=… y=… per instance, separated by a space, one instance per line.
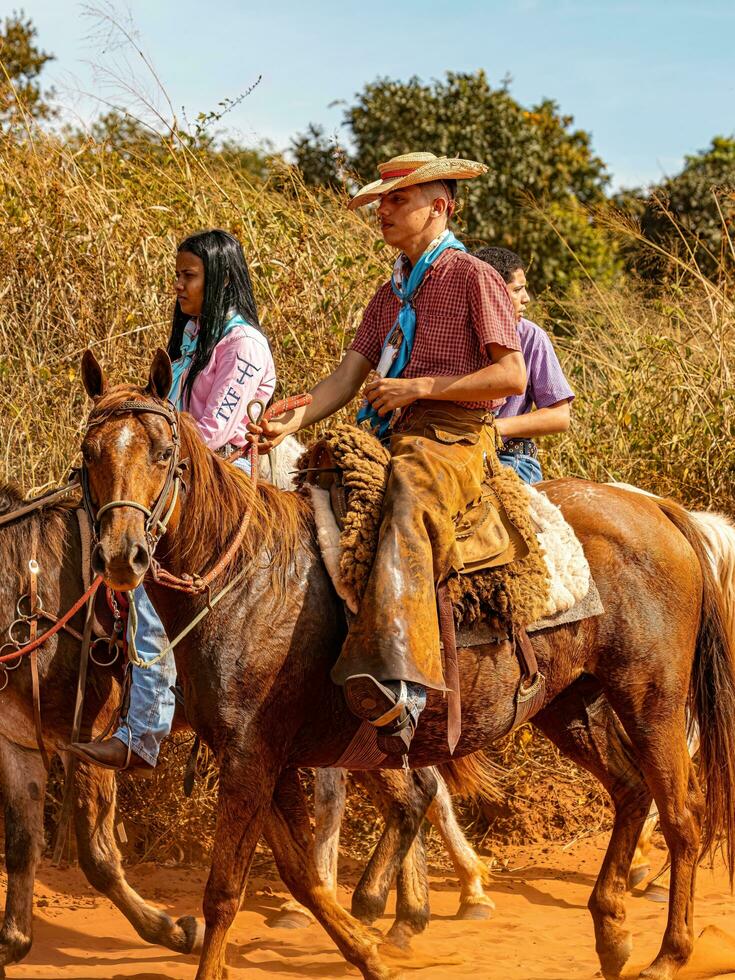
x=386 y=394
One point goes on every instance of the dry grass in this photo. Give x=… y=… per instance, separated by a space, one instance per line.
x=653 y=374
x=87 y=248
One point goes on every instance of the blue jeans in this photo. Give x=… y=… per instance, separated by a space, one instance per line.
x=527 y=467
x=152 y=704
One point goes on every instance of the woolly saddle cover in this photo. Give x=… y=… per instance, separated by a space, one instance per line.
x=347 y=471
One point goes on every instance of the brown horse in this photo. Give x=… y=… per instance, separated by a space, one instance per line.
x=255 y=671
x=51 y=536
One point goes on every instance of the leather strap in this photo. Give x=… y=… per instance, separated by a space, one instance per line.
x=531 y=692
x=451 y=666
x=525 y=653
x=35 y=684
x=38 y=503
x=66 y=803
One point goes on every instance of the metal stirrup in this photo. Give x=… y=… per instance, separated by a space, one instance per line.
x=392 y=713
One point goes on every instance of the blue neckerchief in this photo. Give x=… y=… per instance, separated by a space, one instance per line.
x=180 y=367
x=405 y=324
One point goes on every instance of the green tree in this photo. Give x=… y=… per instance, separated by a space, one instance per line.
x=21 y=63
x=691 y=215
x=533 y=155
x=317 y=157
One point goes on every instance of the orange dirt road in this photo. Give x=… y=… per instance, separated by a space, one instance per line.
x=541 y=929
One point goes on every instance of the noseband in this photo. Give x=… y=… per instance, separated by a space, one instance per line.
x=155 y=519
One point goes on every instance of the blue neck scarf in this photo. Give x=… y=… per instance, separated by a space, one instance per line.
x=402 y=333
x=180 y=367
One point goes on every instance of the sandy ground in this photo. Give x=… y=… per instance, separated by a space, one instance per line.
x=541 y=929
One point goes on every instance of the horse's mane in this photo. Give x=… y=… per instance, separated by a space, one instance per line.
x=45 y=528
x=217 y=498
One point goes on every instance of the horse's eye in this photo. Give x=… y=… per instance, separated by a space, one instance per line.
x=86 y=453
x=165 y=455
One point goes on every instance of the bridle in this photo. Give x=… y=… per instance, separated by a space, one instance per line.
x=159 y=514
x=156 y=520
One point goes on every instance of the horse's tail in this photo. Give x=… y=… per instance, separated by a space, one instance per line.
x=473 y=776
x=712 y=695
x=719 y=537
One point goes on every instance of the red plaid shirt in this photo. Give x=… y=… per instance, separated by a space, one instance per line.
x=462 y=306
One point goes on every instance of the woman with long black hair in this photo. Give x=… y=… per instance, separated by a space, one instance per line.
x=221 y=361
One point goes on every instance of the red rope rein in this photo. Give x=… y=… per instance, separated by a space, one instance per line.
x=58 y=625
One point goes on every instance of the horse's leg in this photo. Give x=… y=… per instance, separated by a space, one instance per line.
x=330 y=796
x=471 y=870
x=403 y=798
x=288 y=832
x=641 y=866
x=242 y=805
x=661 y=747
x=99 y=858
x=22 y=788
x=582 y=724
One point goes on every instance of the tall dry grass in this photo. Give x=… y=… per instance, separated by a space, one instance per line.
x=87 y=250
x=652 y=368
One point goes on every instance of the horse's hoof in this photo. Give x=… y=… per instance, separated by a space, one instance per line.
x=193 y=930
x=657 y=893
x=400 y=935
x=292 y=919
x=616 y=956
x=666 y=969
x=637 y=875
x=477 y=911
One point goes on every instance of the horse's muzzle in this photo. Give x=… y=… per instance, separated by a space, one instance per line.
x=124 y=570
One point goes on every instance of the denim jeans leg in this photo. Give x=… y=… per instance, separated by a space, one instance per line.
x=243 y=463
x=528 y=468
x=152 y=703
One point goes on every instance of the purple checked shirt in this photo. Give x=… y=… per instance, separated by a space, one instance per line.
x=546 y=382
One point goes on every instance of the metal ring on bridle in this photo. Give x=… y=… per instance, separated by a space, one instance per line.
x=19 y=641
x=9 y=665
x=110 y=647
x=5 y=678
x=31 y=614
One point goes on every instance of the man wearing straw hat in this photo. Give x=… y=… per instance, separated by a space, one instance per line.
x=439 y=348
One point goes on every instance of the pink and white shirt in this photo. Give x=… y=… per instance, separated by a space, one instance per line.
x=240 y=369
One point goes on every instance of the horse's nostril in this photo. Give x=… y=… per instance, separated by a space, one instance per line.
x=99 y=560
x=139 y=557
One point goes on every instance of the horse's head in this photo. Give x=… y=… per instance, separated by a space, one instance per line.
x=130 y=453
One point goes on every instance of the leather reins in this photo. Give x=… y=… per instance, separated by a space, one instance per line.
x=156 y=519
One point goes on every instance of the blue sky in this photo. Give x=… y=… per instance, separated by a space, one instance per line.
x=651 y=80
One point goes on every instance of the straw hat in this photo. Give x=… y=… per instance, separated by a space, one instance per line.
x=415 y=168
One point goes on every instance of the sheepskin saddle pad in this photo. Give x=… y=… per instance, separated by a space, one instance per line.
x=545 y=578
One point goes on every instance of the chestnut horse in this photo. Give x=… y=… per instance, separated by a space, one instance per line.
x=255 y=671
x=51 y=535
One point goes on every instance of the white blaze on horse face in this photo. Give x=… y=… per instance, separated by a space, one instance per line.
x=124 y=438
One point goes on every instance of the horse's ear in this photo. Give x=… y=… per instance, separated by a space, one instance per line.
x=160 y=378
x=93 y=376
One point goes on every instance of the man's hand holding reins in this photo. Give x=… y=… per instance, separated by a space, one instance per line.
x=267 y=433
x=327 y=397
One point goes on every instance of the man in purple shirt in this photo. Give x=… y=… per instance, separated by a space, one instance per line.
x=544 y=408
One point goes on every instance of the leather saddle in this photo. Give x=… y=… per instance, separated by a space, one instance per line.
x=485 y=535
